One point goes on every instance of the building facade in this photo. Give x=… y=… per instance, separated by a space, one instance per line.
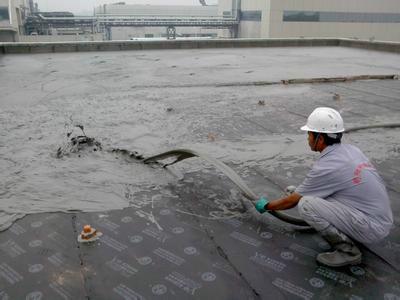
x=12 y=17
x=362 y=19
x=158 y=11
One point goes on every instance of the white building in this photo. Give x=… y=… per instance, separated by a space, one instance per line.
x=160 y=11
x=363 y=19
x=12 y=16
x=157 y=10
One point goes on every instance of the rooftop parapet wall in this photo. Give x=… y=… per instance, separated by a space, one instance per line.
x=377 y=45
x=56 y=47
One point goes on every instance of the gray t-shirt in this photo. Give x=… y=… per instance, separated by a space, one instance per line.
x=344 y=174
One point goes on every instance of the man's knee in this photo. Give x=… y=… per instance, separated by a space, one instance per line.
x=311 y=210
x=305 y=206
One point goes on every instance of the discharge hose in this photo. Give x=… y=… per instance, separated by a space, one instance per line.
x=387 y=125
x=182 y=154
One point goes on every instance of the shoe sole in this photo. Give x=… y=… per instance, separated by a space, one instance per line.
x=357 y=262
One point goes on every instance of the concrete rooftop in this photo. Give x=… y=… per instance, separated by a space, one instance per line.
x=181 y=233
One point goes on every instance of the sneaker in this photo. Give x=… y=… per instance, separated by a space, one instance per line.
x=345 y=254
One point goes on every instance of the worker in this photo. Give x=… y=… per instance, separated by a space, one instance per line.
x=342 y=197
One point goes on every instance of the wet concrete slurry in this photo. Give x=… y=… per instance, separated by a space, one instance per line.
x=180 y=233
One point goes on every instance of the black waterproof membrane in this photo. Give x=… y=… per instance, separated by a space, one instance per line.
x=163 y=253
x=189 y=238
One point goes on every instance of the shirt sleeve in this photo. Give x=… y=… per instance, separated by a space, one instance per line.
x=322 y=181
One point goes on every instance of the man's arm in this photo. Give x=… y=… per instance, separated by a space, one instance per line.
x=284 y=203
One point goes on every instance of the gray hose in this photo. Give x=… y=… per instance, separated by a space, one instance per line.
x=388 y=125
x=182 y=154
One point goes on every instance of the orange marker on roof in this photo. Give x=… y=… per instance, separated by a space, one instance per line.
x=89 y=234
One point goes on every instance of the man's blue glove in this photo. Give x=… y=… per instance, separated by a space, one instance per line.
x=260 y=205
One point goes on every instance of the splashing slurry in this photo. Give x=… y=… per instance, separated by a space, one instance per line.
x=43 y=172
x=36 y=178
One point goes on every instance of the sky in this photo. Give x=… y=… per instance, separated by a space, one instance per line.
x=86 y=6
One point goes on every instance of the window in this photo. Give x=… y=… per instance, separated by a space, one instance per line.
x=339 y=17
x=251 y=15
x=300 y=16
x=4 y=14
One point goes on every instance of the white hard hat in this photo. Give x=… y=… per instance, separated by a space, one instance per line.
x=324 y=120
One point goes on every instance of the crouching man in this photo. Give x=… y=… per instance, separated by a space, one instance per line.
x=342 y=197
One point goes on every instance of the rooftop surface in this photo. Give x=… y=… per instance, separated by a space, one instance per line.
x=181 y=232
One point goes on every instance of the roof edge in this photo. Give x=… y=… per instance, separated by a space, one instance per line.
x=84 y=46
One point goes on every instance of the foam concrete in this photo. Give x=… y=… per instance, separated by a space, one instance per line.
x=181 y=233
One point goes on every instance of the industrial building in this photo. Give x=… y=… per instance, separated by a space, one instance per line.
x=362 y=19
x=161 y=13
x=12 y=18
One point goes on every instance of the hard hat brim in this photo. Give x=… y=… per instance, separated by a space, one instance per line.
x=306 y=128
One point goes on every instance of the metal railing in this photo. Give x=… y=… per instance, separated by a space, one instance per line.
x=147 y=20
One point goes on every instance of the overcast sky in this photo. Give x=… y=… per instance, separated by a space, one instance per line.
x=86 y=6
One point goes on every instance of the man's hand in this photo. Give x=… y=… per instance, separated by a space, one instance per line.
x=260 y=205
x=290 y=190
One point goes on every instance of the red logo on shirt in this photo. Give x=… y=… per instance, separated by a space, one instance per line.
x=357 y=172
